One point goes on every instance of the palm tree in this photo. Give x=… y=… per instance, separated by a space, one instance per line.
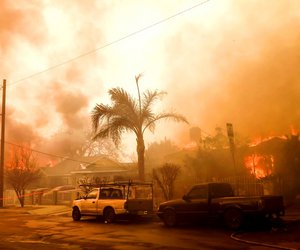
x=127 y=114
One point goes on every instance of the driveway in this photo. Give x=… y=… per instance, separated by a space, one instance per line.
x=53 y=228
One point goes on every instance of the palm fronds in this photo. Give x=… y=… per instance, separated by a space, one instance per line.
x=150 y=97
x=127 y=114
x=169 y=116
x=100 y=112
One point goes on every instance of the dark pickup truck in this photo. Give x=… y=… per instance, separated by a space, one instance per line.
x=217 y=201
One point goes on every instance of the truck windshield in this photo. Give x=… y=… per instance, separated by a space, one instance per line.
x=221 y=190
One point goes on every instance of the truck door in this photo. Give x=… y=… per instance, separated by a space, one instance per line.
x=197 y=202
x=89 y=204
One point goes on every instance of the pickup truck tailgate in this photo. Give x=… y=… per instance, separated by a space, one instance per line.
x=135 y=205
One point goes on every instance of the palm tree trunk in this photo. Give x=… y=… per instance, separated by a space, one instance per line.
x=141 y=157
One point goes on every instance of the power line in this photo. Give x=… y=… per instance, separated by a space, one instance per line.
x=59 y=156
x=110 y=43
x=48 y=154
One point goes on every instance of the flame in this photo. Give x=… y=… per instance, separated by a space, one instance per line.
x=259 y=165
x=16 y=157
x=294 y=130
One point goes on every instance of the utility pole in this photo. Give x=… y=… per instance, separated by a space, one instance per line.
x=2 y=144
x=232 y=149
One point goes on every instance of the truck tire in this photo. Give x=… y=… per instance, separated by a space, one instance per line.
x=109 y=215
x=233 y=218
x=76 y=215
x=169 y=218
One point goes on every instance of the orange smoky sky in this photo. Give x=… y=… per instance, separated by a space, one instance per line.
x=222 y=61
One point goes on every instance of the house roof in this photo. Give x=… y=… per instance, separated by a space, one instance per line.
x=270 y=146
x=81 y=164
x=113 y=171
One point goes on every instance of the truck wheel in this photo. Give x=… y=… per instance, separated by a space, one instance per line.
x=109 y=215
x=233 y=218
x=169 y=218
x=76 y=215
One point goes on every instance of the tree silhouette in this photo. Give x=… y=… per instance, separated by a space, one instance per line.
x=127 y=114
x=217 y=141
x=165 y=177
x=21 y=171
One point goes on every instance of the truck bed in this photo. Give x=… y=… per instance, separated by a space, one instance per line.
x=137 y=205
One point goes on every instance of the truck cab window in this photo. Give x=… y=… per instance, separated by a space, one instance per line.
x=116 y=193
x=92 y=194
x=104 y=194
x=198 y=193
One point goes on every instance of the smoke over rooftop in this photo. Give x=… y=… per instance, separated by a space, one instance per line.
x=245 y=72
x=222 y=62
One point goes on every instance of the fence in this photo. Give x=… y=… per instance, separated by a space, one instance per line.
x=243 y=185
x=10 y=198
x=247 y=185
x=250 y=186
x=40 y=198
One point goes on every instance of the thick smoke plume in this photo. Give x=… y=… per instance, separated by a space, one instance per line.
x=229 y=61
x=245 y=72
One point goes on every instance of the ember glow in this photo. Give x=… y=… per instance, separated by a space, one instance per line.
x=259 y=165
x=294 y=131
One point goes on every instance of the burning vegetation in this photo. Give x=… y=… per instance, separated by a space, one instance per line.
x=273 y=161
x=260 y=165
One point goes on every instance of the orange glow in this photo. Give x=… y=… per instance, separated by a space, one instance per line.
x=259 y=165
x=294 y=130
x=17 y=156
x=190 y=146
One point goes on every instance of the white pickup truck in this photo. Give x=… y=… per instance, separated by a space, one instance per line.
x=112 y=200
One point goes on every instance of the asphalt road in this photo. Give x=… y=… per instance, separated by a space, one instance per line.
x=22 y=230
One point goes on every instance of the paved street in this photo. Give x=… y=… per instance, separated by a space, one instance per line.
x=53 y=228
